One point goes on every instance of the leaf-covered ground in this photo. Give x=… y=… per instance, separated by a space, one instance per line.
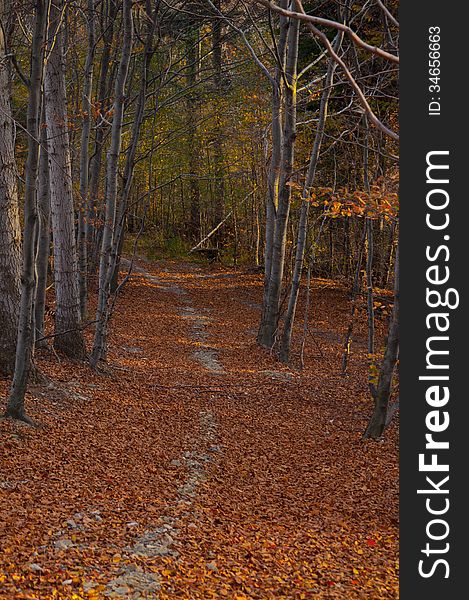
x=193 y=465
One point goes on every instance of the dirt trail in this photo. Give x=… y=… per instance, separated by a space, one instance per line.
x=195 y=466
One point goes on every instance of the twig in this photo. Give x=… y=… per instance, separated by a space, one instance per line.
x=53 y=335
x=310 y=19
x=387 y=13
x=308 y=291
x=220 y=224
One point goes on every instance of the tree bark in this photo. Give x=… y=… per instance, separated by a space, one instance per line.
x=10 y=236
x=105 y=264
x=118 y=237
x=218 y=158
x=192 y=103
x=274 y=167
x=43 y=251
x=24 y=346
x=268 y=330
x=94 y=231
x=369 y=264
x=84 y=159
x=67 y=314
x=285 y=343
x=353 y=297
x=378 y=419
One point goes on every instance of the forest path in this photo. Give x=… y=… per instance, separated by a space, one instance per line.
x=195 y=466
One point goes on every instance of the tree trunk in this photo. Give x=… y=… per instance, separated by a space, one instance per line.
x=94 y=231
x=84 y=152
x=119 y=231
x=24 y=346
x=369 y=265
x=67 y=314
x=43 y=251
x=10 y=236
x=218 y=158
x=353 y=297
x=285 y=344
x=192 y=102
x=369 y=287
x=105 y=264
x=268 y=330
x=378 y=419
x=274 y=168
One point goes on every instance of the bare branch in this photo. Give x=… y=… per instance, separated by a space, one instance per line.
x=257 y=60
x=387 y=13
x=371 y=115
x=220 y=224
x=313 y=20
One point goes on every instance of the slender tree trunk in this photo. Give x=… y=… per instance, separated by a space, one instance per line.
x=258 y=235
x=387 y=269
x=10 y=233
x=378 y=419
x=369 y=266
x=43 y=251
x=273 y=179
x=268 y=330
x=192 y=117
x=285 y=344
x=67 y=315
x=24 y=346
x=354 y=293
x=119 y=232
x=84 y=159
x=369 y=286
x=94 y=230
x=105 y=264
x=218 y=150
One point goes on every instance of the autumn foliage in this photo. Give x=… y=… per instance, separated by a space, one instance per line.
x=291 y=503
